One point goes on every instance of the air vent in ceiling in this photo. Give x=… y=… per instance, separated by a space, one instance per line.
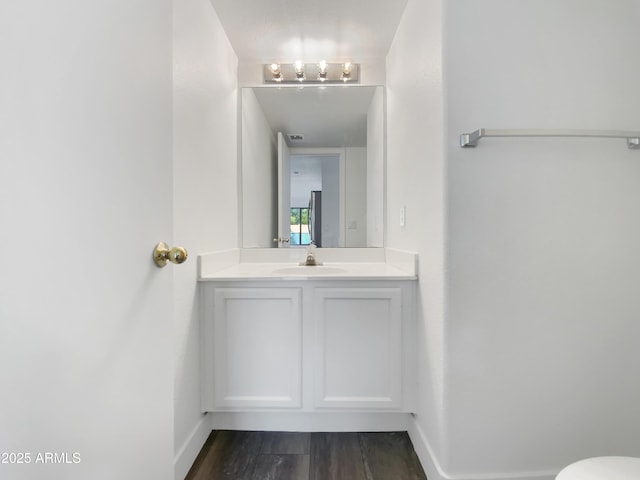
x=295 y=137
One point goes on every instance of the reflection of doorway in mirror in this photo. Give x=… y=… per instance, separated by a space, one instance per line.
x=319 y=173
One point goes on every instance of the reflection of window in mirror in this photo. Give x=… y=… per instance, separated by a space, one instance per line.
x=300 y=234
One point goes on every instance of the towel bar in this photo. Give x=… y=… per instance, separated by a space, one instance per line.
x=468 y=140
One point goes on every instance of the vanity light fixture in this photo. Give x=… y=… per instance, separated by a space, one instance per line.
x=316 y=72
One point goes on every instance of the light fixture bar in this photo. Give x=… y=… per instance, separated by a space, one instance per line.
x=319 y=72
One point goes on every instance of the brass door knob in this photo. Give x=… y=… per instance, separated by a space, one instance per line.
x=162 y=253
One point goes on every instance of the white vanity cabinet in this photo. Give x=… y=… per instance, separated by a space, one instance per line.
x=308 y=346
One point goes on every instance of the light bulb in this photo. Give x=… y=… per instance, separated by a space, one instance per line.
x=274 y=68
x=299 y=66
x=322 y=70
x=346 y=72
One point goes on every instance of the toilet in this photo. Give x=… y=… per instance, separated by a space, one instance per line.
x=602 y=468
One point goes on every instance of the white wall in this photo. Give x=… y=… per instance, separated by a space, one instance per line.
x=544 y=264
x=259 y=175
x=85 y=194
x=529 y=338
x=415 y=180
x=205 y=184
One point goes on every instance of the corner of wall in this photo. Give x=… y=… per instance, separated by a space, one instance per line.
x=189 y=450
x=415 y=186
x=205 y=106
x=425 y=453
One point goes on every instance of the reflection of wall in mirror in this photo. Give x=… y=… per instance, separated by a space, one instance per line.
x=356 y=197
x=259 y=175
x=375 y=170
x=331 y=202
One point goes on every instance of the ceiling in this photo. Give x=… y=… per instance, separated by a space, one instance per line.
x=332 y=116
x=266 y=31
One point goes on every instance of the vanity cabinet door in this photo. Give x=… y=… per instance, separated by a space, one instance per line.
x=257 y=349
x=358 y=348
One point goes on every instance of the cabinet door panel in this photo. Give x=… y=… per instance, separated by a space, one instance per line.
x=358 y=353
x=257 y=347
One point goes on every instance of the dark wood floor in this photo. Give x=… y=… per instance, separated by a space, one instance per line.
x=233 y=455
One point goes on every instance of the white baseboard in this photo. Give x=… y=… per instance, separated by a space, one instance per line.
x=310 y=422
x=187 y=453
x=434 y=470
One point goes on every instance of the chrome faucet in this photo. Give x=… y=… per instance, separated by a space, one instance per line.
x=311 y=258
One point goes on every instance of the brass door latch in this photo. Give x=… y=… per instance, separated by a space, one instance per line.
x=162 y=253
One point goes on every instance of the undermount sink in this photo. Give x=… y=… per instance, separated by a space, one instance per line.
x=306 y=270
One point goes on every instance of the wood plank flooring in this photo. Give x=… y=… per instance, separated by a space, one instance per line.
x=236 y=455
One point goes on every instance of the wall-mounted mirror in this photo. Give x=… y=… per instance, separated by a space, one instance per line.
x=312 y=166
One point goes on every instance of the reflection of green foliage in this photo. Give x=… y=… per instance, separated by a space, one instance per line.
x=298 y=214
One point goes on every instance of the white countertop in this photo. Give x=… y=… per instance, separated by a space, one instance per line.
x=231 y=265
